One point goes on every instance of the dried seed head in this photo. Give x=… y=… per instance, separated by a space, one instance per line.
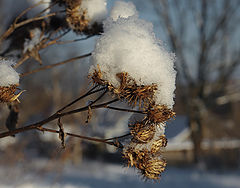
x=159 y=114
x=71 y=3
x=77 y=18
x=136 y=157
x=158 y=144
x=149 y=165
x=142 y=132
x=97 y=78
x=154 y=168
x=134 y=93
x=7 y=93
x=128 y=89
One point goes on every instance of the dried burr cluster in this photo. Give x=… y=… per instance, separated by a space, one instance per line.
x=144 y=149
x=76 y=17
x=80 y=18
x=7 y=93
x=9 y=81
x=127 y=59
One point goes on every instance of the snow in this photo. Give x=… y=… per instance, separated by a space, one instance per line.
x=123 y=9
x=93 y=174
x=96 y=10
x=129 y=45
x=36 y=37
x=8 y=76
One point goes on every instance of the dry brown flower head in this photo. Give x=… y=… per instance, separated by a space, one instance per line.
x=142 y=132
x=7 y=93
x=128 y=89
x=154 y=168
x=97 y=77
x=136 y=157
x=150 y=166
x=158 y=144
x=160 y=114
x=76 y=18
x=134 y=93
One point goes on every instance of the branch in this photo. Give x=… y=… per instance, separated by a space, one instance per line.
x=17 y=25
x=53 y=117
x=76 y=40
x=124 y=110
x=54 y=65
x=106 y=141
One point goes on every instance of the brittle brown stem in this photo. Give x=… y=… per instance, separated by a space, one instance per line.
x=16 y=25
x=25 y=11
x=82 y=137
x=114 y=138
x=54 y=65
x=22 y=60
x=76 y=40
x=86 y=108
x=53 y=117
x=81 y=97
x=124 y=110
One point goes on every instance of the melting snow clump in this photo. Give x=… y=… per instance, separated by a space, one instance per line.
x=129 y=45
x=8 y=76
x=96 y=9
x=36 y=37
x=123 y=9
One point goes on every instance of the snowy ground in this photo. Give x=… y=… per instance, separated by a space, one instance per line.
x=102 y=175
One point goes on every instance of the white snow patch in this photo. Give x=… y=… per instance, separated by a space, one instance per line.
x=123 y=9
x=129 y=45
x=96 y=9
x=37 y=36
x=8 y=76
x=99 y=175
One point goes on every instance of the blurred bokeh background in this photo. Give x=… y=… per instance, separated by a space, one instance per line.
x=204 y=139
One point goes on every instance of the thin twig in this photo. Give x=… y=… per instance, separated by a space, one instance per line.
x=54 y=65
x=124 y=110
x=117 y=137
x=25 y=11
x=76 y=40
x=24 y=58
x=16 y=25
x=106 y=141
x=51 y=118
x=86 y=108
x=81 y=97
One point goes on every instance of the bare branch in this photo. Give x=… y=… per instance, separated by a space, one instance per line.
x=54 y=65
x=105 y=141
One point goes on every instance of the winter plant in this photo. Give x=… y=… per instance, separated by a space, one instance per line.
x=128 y=63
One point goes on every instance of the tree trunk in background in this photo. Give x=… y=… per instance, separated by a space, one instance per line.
x=197 y=137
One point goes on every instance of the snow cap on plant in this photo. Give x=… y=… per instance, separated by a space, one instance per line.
x=135 y=67
x=9 y=80
x=84 y=15
x=36 y=36
x=123 y=9
x=129 y=53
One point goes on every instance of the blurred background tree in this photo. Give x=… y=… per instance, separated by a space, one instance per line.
x=205 y=37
